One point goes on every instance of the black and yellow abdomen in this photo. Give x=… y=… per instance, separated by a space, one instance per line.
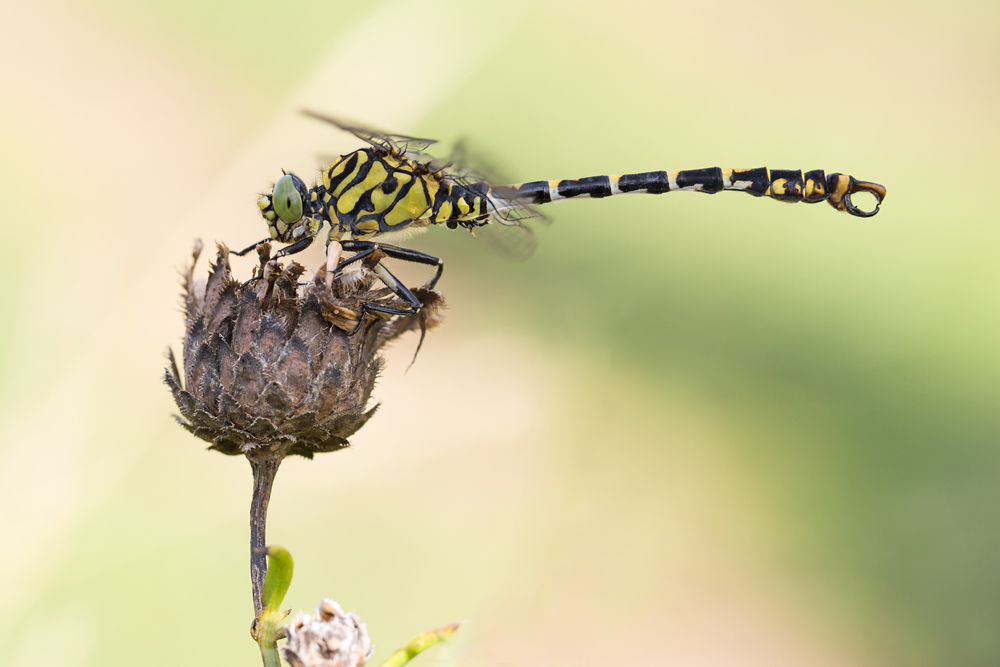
x=781 y=184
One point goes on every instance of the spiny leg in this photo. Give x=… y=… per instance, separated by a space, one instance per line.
x=361 y=253
x=397 y=288
x=263 y=260
x=298 y=246
x=249 y=248
x=365 y=248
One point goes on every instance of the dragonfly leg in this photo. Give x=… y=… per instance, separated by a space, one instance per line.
x=363 y=249
x=298 y=246
x=396 y=252
x=397 y=288
x=361 y=254
x=249 y=248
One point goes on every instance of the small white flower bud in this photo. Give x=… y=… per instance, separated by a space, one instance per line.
x=327 y=638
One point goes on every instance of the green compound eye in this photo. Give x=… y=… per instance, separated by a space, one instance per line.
x=286 y=200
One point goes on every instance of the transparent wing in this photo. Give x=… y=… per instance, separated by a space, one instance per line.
x=471 y=170
x=514 y=241
x=508 y=209
x=400 y=144
x=507 y=234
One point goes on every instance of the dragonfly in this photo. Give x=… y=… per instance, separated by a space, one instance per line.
x=375 y=197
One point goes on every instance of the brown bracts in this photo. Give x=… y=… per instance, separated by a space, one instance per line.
x=274 y=367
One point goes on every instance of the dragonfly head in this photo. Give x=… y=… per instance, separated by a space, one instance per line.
x=287 y=210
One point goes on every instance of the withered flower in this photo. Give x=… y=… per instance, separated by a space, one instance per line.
x=327 y=638
x=274 y=367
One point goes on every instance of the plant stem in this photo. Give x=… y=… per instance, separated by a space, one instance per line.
x=264 y=464
x=269 y=655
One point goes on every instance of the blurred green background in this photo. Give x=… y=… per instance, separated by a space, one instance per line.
x=690 y=430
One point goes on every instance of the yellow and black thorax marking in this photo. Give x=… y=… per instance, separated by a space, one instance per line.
x=370 y=192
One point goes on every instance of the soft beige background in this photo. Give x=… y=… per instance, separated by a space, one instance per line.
x=689 y=431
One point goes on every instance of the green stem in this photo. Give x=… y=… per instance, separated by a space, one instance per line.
x=269 y=654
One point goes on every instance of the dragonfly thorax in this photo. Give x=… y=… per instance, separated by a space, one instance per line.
x=374 y=193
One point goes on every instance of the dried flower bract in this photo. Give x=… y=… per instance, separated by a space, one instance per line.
x=272 y=363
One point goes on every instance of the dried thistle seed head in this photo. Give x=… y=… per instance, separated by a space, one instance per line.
x=327 y=638
x=272 y=363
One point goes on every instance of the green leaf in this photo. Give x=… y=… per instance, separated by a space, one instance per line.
x=265 y=629
x=419 y=644
x=278 y=579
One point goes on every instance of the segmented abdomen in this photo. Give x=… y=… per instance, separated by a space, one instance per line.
x=782 y=184
x=455 y=203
